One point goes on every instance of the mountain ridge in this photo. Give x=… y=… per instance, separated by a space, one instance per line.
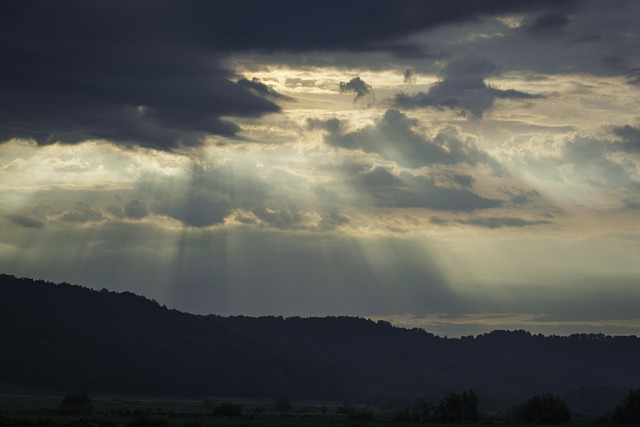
x=64 y=336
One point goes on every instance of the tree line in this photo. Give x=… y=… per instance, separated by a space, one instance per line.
x=67 y=337
x=452 y=408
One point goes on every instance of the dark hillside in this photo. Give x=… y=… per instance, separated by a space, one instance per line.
x=68 y=337
x=383 y=363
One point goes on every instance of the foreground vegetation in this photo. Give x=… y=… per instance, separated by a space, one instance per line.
x=76 y=410
x=200 y=420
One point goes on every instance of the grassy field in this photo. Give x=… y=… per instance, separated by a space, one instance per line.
x=205 y=421
x=183 y=420
x=30 y=407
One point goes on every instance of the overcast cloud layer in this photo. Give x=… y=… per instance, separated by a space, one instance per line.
x=458 y=166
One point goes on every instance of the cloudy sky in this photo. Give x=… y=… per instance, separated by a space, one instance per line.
x=460 y=166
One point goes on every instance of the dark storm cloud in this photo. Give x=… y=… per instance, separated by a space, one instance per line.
x=357 y=25
x=463 y=88
x=25 y=221
x=262 y=89
x=408 y=191
x=587 y=37
x=149 y=73
x=553 y=21
x=394 y=137
x=358 y=86
x=409 y=51
x=155 y=98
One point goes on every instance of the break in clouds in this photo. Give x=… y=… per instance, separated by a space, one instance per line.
x=413 y=160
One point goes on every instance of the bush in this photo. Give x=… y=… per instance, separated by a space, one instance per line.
x=545 y=409
x=227 y=410
x=76 y=403
x=458 y=407
x=628 y=412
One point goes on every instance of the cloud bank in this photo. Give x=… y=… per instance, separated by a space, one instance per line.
x=463 y=88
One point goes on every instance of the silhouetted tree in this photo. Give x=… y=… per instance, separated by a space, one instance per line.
x=402 y=415
x=545 y=409
x=422 y=410
x=76 y=403
x=458 y=407
x=628 y=412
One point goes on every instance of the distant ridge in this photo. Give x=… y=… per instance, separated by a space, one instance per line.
x=68 y=337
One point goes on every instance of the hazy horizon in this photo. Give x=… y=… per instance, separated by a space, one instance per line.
x=459 y=167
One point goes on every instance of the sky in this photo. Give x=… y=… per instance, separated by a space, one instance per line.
x=457 y=166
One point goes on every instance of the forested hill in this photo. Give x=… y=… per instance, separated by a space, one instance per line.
x=69 y=337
